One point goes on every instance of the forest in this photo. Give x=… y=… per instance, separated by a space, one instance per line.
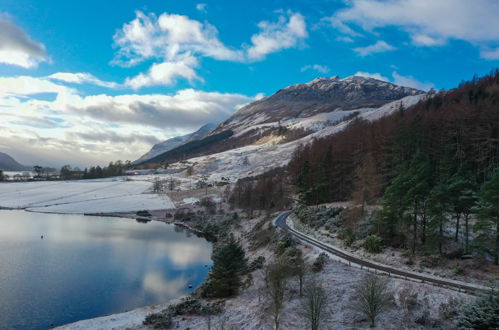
x=425 y=169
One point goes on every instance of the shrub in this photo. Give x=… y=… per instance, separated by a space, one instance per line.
x=480 y=314
x=158 y=320
x=257 y=264
x=373 y=244
x=319 y=263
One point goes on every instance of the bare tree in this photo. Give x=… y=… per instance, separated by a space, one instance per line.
x=157 y=185
x=314 y=307
x=276 y=287
x=374 y=297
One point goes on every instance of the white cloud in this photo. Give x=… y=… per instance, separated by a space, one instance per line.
x=17 y=47
x=187 y=108
x=82 y=78
x=165 y=73
x=371 y=75
x=410 y=81
x=397 y=79
x=178 y=41
x=428 y=22
x=379 y=47
x=201 y=7
x=492 y=54
x=80 y=128
x=273 y=37
x=316 y=67
x=168 y=37
x=26 y=85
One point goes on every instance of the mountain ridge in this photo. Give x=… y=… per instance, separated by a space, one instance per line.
x=8 y=163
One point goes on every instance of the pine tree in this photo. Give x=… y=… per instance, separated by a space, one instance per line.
x=487 y=225
x=462 y=190
x=419 y=184
x=229 y=262
x=438 y=205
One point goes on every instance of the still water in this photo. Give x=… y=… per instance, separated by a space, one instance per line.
x=85 y=267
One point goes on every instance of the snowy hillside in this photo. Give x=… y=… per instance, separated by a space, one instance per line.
x=322 y=95
x=172 y=143
x=271 y=152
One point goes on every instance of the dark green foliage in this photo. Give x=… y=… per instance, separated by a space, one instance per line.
x=488 y=216
x=430 y=159
x=188 y=306
x=158 y=320
x=256 y=264
x=482 y=314
x=2 y=177
x=229 y=263
x=95 y=172
x=319 y=263
x=373 y=244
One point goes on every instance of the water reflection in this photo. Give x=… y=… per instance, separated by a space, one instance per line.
x=90 y=266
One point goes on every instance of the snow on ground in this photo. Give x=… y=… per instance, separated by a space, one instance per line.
x=83 y=196
x=250 y=309
x=257 y=158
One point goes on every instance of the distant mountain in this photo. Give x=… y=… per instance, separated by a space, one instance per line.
x=293 y=113
x=321 y=95
x=175 y=142
x=7 y=163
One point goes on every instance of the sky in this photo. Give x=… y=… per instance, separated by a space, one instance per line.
x=89 y=82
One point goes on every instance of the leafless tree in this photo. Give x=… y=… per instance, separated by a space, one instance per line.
x=374 y=297
x=314 y=307
x=276 y=287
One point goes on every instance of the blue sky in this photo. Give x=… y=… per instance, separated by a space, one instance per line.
x=87 y=82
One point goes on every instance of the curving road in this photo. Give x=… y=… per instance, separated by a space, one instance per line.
x=280 y=221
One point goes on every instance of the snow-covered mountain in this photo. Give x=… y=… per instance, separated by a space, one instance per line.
x=174 y=142
x=7 y=163
x=291 y=116
x=322 y=95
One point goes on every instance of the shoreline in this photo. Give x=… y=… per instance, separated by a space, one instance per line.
x=126 y=319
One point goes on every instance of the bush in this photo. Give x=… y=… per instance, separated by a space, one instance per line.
x=373 y=244
x=158 y=320
x=480 y=314
x=257 y=264
x=319 y=263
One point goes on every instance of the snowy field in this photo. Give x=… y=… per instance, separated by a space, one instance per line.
x=83 y=196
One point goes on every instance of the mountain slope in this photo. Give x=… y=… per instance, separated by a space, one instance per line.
x=7 y=163
x=175 y=142
x=321 y=95
x=296 y=112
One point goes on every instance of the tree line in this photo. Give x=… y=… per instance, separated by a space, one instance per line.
x=433 y=165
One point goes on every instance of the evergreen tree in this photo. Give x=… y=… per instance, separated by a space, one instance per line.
x=487 y=225
x=2 y=177
x=438 y=205
x=229 y=262
x=419 y=184
x=462 y=190
x=482 y=314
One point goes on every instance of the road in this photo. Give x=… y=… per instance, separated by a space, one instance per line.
x=280 y=221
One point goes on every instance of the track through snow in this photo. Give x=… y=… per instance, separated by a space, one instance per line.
x=83 y=196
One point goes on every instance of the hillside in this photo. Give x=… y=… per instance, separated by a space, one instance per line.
x=174 y=142
x=296 y=112
x=7 y=163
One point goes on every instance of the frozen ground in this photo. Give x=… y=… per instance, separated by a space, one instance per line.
x=250 y=310
x=83 y=196
x=269 y=153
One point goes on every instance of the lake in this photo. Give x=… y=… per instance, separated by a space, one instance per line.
x=86 y=267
